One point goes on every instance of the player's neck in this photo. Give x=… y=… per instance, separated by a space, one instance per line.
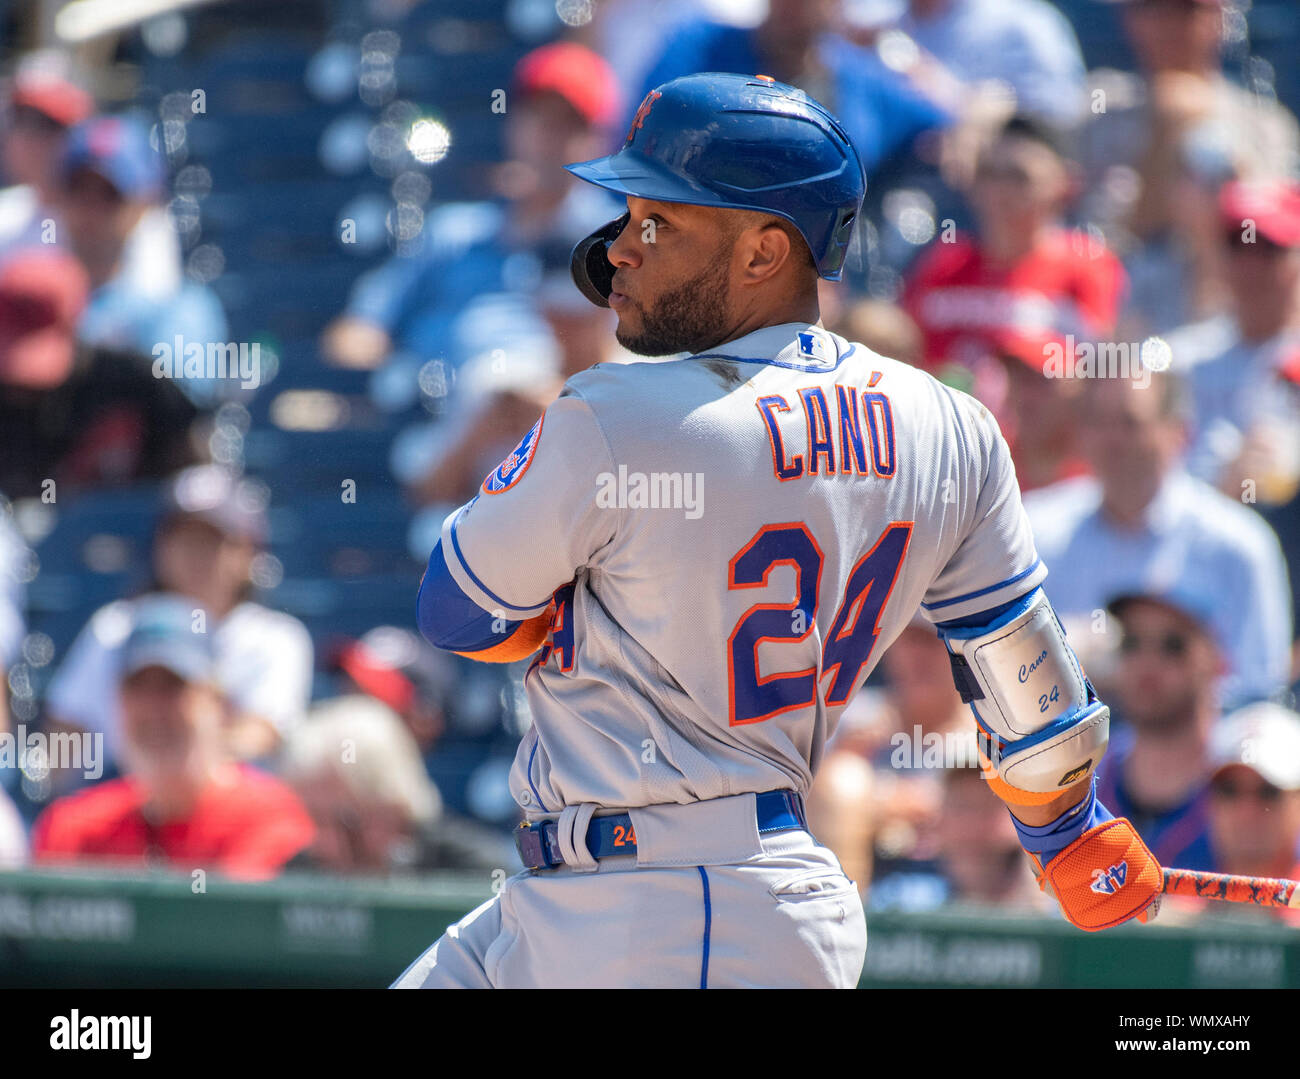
x=798 y=309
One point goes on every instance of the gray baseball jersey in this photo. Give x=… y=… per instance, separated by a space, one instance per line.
x=731 y=541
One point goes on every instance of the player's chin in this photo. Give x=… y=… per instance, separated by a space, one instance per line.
x=630 y=323
x=634 y=340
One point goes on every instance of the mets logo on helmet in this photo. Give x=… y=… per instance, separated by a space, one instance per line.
x=511 y=470
x=642 y=112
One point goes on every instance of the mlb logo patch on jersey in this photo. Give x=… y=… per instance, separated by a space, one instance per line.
x=812 y=351
x=511 y=470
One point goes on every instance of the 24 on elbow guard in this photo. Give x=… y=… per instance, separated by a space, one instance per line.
x=1042 y=727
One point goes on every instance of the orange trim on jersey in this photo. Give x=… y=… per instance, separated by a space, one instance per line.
x=775 y=439
x=521 y=465
x=526 y=639
x=812 y=620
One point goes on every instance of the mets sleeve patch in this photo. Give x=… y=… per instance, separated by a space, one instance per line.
x=512 y=469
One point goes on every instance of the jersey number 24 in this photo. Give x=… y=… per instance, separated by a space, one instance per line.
x=853 y=632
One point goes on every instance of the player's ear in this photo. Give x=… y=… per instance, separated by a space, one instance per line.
x=762 y=250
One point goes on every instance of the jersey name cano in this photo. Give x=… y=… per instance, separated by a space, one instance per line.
x=851 y=435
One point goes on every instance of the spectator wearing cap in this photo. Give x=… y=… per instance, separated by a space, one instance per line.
x=798 y=43
x=183 y=804
x=399 y=669
x=1255 y=795
x=359 y=772
x=112 y=183
x=1164 y=692
x=212 y=526
x=457 y=711
x=1244 y=367
x=43 y=100
x=562 y=103
x=1021 y=275
x=1142 y=524
x=81 y=416
x=1041 y=411
x=1159 y=144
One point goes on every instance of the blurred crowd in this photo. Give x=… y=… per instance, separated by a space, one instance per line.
x=1102 y=246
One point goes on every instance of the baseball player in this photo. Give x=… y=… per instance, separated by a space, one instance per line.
x=708 y=555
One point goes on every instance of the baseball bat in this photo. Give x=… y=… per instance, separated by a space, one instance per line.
x=1264 y=891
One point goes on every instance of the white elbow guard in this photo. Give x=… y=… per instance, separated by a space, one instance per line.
x=1043 y=727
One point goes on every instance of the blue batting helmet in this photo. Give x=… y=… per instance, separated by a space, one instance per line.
x=736 y=142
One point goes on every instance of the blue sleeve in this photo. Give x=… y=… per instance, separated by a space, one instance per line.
x=449 y=619
x=1049 y=840
x=982 y=620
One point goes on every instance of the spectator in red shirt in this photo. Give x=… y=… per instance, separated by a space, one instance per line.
x=183 y=803
x=1023 y=272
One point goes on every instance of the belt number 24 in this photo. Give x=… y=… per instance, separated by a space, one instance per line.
x=753 y=698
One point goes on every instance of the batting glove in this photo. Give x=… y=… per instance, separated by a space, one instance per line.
x=1095 y=865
